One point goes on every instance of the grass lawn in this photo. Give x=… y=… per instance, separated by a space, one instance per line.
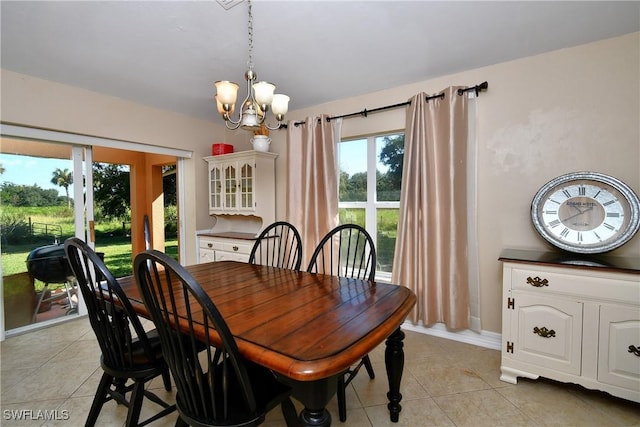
x=112 y=238
x=117 y=255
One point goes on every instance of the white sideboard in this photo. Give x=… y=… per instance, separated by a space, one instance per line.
x=242 y=199
x=573 y=320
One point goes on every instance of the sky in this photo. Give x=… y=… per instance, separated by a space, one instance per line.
x=26 y=170
x=352 y=157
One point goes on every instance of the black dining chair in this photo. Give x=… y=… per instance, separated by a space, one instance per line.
x=128 y=351
x=346 y=251
x=279 y=245
x=217 y=386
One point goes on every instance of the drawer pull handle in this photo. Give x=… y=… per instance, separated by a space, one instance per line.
x=537 y=282
x=635 y=350
x=210 y=245
x=544 y=332
x=235 y=249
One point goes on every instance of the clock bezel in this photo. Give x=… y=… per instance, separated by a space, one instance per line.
x=623 y=236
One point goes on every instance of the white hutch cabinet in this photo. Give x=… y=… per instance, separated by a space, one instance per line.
x=242 y=202
x=572 y=320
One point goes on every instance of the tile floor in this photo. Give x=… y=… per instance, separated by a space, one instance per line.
x=55 y=371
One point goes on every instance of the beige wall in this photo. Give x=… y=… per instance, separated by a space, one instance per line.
x=542 y=116
x=568 y=110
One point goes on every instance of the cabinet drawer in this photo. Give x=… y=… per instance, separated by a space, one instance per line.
x=236 y=247
x=226 y=245
x=231 y=256
x=209 y=244
x=574 y=282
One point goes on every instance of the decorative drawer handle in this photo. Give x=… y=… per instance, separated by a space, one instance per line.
x=635 y=350
x=235 y=249
x=537 y=282
x=544 y=332
x=210 y=245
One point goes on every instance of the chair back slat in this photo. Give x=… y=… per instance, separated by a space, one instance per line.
x=212 y=385
x=279 y=245
x=346 y=251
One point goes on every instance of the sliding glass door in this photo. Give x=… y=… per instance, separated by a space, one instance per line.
x=46 y=197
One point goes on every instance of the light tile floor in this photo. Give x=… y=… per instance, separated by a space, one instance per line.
x=54 y=373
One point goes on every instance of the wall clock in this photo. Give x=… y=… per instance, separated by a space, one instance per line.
x=586 y=212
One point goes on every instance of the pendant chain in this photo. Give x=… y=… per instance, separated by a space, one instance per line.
x=250 y=62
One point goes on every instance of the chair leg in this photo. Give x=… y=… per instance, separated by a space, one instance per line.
x=368 y=366
x=342 y=399
x=120 y=390
x=181 y=423
x=101 y=395
x=166 y=378
x=135 y=404
x=289 y=412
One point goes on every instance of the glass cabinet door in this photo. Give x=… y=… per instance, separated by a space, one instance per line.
x=246 y=186
x=230 y=183
x=215 y=176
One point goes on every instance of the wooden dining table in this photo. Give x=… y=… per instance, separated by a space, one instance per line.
x=307 y=328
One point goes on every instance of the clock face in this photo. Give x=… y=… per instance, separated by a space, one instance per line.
x=586 y=212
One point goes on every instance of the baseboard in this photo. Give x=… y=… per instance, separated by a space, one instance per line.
x=484 y=339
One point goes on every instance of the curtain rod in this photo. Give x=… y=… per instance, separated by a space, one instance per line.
x=364 y=113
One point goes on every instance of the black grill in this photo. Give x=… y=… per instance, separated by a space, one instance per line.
x=49 y=264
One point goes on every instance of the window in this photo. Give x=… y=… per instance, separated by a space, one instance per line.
x=369 y=193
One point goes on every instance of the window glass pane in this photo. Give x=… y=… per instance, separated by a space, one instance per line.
x=386 y=238
x=352 y=157
x=389 y=155
x=351 y=216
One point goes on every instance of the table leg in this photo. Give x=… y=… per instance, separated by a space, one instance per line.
x=394 y=362
x=314 y=395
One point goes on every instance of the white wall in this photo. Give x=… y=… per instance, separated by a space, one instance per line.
x=568 y=110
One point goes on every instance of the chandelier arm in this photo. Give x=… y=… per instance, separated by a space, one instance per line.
x=234 y=125
x=278 y=126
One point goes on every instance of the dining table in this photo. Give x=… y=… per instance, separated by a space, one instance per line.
x=307 y=328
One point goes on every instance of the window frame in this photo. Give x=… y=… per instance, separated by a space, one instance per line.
x=372 y=205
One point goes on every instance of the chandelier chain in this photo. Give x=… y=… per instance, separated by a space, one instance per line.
x=250 y=27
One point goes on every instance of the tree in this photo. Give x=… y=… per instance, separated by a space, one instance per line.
x=111 y=189
x=169 y=185
x=28 y=195
x=63 y=178
x=392 y=155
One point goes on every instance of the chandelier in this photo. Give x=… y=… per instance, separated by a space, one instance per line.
x=259 y=98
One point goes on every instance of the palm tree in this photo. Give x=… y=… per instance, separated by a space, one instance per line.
x=63 y=178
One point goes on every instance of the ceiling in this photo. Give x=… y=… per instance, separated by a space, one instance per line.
x=167 y=54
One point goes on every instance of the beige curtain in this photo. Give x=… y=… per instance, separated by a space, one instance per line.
x=312 y=180
x=431 y=248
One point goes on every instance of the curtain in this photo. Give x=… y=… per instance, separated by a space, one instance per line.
x=431 y=247
x=312 y=180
